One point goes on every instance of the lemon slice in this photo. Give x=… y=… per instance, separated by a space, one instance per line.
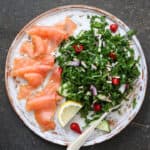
x=67 y=111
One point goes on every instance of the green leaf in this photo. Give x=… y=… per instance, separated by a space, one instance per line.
x=130 y=33
x=134 y=103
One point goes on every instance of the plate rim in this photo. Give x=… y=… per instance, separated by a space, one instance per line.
x=56 y=9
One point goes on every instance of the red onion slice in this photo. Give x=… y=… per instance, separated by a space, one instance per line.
x=93 y=90
x=74 y=63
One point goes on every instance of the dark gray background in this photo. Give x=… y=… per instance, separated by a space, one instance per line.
x=14 y=14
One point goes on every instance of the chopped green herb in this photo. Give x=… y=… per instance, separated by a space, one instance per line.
x=134 y=103
x=130 y=33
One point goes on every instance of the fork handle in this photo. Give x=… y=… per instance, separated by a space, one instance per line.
x=82 y=138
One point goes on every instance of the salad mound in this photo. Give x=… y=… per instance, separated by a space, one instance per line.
x=99 y=68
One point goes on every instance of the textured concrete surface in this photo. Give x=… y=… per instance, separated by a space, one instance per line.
x=14 y=14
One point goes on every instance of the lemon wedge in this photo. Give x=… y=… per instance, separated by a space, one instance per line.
x=67 y=111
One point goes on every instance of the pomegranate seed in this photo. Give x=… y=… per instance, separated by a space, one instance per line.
x=114 y=27
x=97 y=107
x=60 y=70
x=112 y=55
x=75 y=127
x=115 y=80
x=78 y=48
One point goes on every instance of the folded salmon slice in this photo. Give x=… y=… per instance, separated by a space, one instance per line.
x=47 y=32
x=40 y=46
x=34 y=79
x=56 y=75
x=54 y=82
x=42 y=69
x=34 y=48
x=46 y=59
x=67 y=25
x=27 y=48
x=24 y=91
x=44 y=117
x=33 y=70
x=23 y=62
x=41 y=102
x=70 y=26
x=52 y=86
x=56 y=34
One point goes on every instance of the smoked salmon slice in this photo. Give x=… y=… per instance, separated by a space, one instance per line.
x=24 y=91
x=40 y=46
x=35 y=48
x=56 y=75
x=27 y=48
x=54 y=82
x=56 y=34
x=46 y=60
x=34 y=79
x=52 y=86
x=67 y=25
x=47 y=32
x=31 y=70
x=44 y=117
x=53 y=34
x=41 y=102
x=42 y=69
x=22 y=62
x=70 y=26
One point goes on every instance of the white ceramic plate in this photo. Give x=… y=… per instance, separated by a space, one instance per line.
x=64 y=136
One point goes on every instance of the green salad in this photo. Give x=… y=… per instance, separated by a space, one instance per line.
x=99 y=68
